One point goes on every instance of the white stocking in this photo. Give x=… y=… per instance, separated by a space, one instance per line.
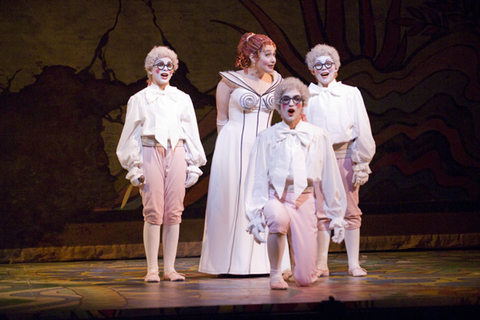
x=151 y=241
x=352 y=244
x=170 y=237
x=276 y=248
x=323 y=241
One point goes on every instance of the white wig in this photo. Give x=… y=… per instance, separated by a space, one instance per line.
x=288 y=84
x=322 y=50
x=159 y=53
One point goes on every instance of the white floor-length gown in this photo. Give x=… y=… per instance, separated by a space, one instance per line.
x=227 y=248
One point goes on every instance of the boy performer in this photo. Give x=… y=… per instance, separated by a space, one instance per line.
x=340 y=110
x=286 y=161
x=161 y=149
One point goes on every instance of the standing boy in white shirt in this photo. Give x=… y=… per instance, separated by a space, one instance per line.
x=161 y=149
x=340 y=110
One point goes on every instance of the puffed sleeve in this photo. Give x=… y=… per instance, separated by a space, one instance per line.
x=194 y=153
x=256 y=180
x=129 y=149
x=363 y=148
x=335 y=200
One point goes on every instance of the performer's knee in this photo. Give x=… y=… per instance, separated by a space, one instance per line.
x=323 y=224
x=354 y=222
x=153 y=219
x=303 y=279
x=277 y=217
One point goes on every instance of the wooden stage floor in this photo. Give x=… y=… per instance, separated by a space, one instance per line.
x=399 y=285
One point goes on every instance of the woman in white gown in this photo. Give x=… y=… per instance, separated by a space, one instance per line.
x=244 y=108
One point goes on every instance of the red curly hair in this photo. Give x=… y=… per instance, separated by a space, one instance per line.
x=251 y=43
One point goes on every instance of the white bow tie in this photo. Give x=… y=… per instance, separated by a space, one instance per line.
x=302 y=135
x=333 y=90
x=165 y=126
x=153 y=93
x=290 y=154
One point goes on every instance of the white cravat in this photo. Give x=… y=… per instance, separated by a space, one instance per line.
x=166 y=125
x=290 y=154
x=333 y=89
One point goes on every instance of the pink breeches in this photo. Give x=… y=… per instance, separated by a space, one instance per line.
x=298 y=221
x=164 y=189
x=353 y=214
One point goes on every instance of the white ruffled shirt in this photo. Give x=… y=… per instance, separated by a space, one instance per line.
x=276 y=155
x=168 y=116
x=340 y=110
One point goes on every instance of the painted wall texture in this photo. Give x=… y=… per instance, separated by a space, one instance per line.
x=67 y=69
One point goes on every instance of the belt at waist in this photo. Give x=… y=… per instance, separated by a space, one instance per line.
x=343 y=150
x=148 y=141
x=289 y=187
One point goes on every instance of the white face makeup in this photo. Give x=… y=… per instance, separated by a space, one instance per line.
x=267 y=60
x=292 y=110
x=324 y=75
x=160 y=72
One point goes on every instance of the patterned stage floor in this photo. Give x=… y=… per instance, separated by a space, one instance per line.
x=446 y=282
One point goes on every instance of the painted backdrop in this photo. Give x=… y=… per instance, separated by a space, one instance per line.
x=67 y=69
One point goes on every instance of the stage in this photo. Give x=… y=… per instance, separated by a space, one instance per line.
x=400 y=285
